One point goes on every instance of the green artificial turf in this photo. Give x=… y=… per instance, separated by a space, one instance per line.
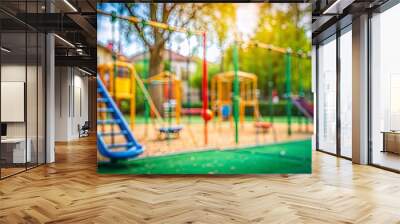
x=280 y=158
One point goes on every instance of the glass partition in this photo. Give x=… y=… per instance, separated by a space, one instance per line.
x=13 y=104
x=22 y=89
x=327 y=96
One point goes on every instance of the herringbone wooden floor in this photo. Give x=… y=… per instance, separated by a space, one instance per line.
x=70 y=191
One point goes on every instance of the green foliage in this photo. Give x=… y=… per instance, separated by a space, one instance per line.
x=281 y=28
x=192 y=104
x=278 y=29
x=124 y=106
x=141 y=67
x=167 y=65
x=196 y=78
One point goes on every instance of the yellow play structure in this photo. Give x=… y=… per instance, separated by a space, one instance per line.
x=122 y=85
x=120 y=80
x=168 y=80
x=221 y=93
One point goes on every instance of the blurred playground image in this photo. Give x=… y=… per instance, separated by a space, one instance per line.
x=204 y=88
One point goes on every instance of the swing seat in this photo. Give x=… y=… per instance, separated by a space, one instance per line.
x=173 y=129
x=169 y=132
x=263 y=125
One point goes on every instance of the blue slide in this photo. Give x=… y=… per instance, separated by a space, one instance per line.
x=114 y=116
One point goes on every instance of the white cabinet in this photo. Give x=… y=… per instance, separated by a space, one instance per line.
x=17 y=146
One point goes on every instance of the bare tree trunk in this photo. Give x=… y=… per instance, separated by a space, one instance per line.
x=156 y=67
x=156 y=61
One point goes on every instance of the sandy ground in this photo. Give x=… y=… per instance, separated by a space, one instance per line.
x=221 y=136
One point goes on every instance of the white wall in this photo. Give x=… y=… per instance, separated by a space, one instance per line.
x=80 y=111
x=71 y=102
x=62 y=81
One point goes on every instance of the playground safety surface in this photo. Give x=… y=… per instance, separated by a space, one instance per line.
x=286 y=157
x=255 y=153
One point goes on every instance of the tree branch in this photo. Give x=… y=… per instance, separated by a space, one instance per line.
x=137 y=27
x=189 y=19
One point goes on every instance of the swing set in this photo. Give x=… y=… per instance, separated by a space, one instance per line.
x=298 y=101
x=231 y=92
x=174 y=130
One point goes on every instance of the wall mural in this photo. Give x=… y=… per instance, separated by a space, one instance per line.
x=200 y=88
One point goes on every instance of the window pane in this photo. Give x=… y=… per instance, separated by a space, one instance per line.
x=327 y=97
x=346 y=94
x=386 y=89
